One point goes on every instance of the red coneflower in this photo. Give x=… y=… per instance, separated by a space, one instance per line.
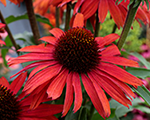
x=13 y=108
x=117 y=11
x=76 y=55
x=2 y=31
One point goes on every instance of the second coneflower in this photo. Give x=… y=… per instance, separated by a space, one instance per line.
x=74 y=56
x=2 y=31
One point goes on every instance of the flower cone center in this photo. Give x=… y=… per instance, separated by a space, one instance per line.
x=77 y=50
x=9 y=106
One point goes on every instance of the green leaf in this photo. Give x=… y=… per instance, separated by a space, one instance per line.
x=142 y=59
x=143 y=109
x=5 y=51
x=143 y=92
x=139 y=72
x=122 y=110
x=39 y=18
x=147 y=4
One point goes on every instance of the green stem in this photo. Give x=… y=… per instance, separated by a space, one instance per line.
x=57 y=17
x=32 y=19
x=97 y=26
x=129 y=19
x=9 y=32
x=67 y=16
x=114 y=28
x=91 y=112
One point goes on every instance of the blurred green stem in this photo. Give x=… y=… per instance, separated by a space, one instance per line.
x=32 y=19
x=129 y=19
x=67 y=16
x=97 y=26
x=57 y=17
x=9 y=32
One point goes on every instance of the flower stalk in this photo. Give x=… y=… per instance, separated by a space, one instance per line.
x=67 y=16
x=9 y=32
x=128 y=22
x=57 y=17
x=32 y=19
x=97 y=26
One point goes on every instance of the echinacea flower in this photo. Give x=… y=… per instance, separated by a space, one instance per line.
x=117 y=11
x=12 y=107
x=74 y=56
x=16 y=2
x=2 y=31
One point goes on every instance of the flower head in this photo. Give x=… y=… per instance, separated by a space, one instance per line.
x=13 y=107
x=74 y=56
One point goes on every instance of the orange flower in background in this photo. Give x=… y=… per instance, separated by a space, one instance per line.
x=13 y=108
x=16 y=2
x=2 y=31
x=3 y=2
x=74 y=56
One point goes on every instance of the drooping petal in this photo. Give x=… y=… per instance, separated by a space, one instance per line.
x=115 y=13
x=120 y=84
x=42 y=77
x=90 y=89
x=56 y=87
x=56 y=32
x=89 y=8
x=113 y=90
x=102 y=10
x=101 y=96
x=119 y=61
x=78 y=91
x=120 y=74
x=49 y=39
x=79 y=20
x=4 y=82
x=69 y=95
x=77 y=5
x=102 y=41
x=42 y=64
x=18 y=82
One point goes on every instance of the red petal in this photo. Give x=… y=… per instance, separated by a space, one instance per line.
x=115 y=13
x=56 y=87
x=89 y=7
x=2 y=42
x=43 y=110
x=102 y=10
x=77 y=5
x=18 y=82
x=112 y=89
x=108 y=39
x=78 y=21
x=110 y=51
x=120 y=84
x=119 y=61
x=90 y=89
x=120 y=74
x=69 y=95
x=38 y=48
x=101 y=96
x=56 y=32
x=49 y=39
x=42 y=77
x=78 y=91
x=4 y=82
